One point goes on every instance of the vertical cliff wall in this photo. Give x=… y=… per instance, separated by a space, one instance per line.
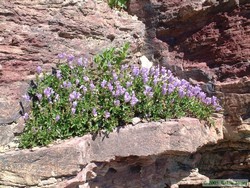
x=207 y=42
x=204 y=41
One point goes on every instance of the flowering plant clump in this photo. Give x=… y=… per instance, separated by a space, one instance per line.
x=81 y=97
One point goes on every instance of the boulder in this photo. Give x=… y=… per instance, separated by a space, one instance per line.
x=98 y=160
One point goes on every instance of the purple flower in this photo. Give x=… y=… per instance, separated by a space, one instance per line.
x=202 y=96
x=196 y=90
x=103 y=84
x=79 y=62
x=26 y=116
x=144 y=71
x=119 y=90
x=39 y=69
x=39 y=96
x=171 y=88
x=26 y=97
x=170 y=79
x=128 y=84
x=48 y=92
x=110 y=87
x=83 y=88
x=57 y=118
x=218 y=108
x=61 y=56
x=163 y=71
x=117 y=83
x=117 y=102
x=127 y=97
x=134 y=100
x=70 y=57
x=135 y=71
x=185 y=83
x=71 y=65
x=58 y=74
x=67 y=84
x=74 y=104
x=74 y=95
x=177 y=83
x=164 y=90
x=169 y=72
x=86 y=78
x=107 y=115
x=85 y=62
x=157 y=72
x=77 y=81
x=94 y=112
x=73 y=110
x=214 y=100
x=145 y=79
x=156 y=79
x=152 y=71
x=190 y=93
x=208 y=100
x=181 y=92
x=147 y=91
x=92 y=86
x=115 y=77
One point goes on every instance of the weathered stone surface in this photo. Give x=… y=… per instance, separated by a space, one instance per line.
x=235 y=96
x=8 y=133
x=226 y=160
x=69 y=159
x=207 y=43
x=34 y=32
x=212 y=36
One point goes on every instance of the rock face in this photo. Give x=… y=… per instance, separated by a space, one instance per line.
x=132 y=152
x=207 y=42
x=34 y=32
x=210 y=35
x=204 y=41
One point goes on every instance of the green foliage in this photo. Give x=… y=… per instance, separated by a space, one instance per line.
x=82 y=97
x=121 y=4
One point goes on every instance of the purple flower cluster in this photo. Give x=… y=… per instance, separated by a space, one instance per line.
x=58 y=74
x=74 y=96
x=103 y=84
x=148 y=91
x=120 y=90
x=48 y=92
x=67 y=84
x=73 y=61
x=169 y=84
x=106 y=115
x=134 y=99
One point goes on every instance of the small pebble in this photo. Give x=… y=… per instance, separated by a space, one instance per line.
x=136 y=120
